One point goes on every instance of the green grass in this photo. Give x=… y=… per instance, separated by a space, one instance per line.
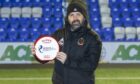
x=103 y=76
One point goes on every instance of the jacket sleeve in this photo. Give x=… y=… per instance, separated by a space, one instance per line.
x=90 y=61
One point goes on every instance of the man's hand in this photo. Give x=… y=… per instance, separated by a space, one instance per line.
x=61 y=56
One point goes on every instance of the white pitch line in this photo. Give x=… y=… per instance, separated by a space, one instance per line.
x=118 y=78
x=48 y=78
x=18 y=78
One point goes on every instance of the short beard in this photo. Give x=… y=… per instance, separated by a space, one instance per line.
x=75 y=26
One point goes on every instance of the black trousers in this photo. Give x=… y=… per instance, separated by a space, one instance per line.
x=56 y=79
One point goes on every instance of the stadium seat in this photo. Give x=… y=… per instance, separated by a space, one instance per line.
x=103 y=2
x=125 y=12
x=34 y=34
x=117 y=21
x=45 y=31
x=119 y=33
x=58 y=23
x=95 y=22
x=114 y=3
x=25 y=22
x=46 y=22
x=124 y=3
x=133 y=3
x=138 y=33
x=108 y=34
x=115 y=12
x=127 y=21
x=94 y=12
x=16 y=12
x=98 y=31
x=37 y=12
x=104 y=10
x=5 y=12
x=57 y=12
x=24 y=35
x=106 y=21
x=6 y=3
x=26 y=12
x=16 y=3
x=4 y=23
x=36 y=22
x=14 y=23
x=37 y=3
x=27 y=3
x=47 y=11
x=3 y=35
x=58 y=2
x=130 y=33
x=135 y=11
x=137 y=21
x=12 y=35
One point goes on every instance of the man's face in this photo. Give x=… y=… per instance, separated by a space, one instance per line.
x=76 y=20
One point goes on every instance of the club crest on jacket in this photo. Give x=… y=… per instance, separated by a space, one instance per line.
x=81 y=41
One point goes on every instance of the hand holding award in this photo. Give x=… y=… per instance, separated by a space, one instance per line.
x=46 y=49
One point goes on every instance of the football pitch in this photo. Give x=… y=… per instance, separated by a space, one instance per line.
x=43 y=76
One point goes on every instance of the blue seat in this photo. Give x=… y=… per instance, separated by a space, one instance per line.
x=6 y=3
x=12 y=34
x=117 y=21
x=124 y=3
x=95 y=22
x=115 y=11
x=45 y=31
x=137 y=21
x=27 y=3
x=47 y=11
x=25 y=22
x=24 y=35
x=36 y=22
x=98 y=31
x=89 y=2
x=3 y=35
x=94 y=12
x=14 y=23
x=127 y=21
x=16 y=3
x=4 y=22
x=133 y=3
x=126 y=12
x=108 y=34
x=57 y=12
x=58 y=23
x=58 y=3
x=34 y=33
x=37 y=3
x=135 y=11
x=114 y=3
x=46 y=22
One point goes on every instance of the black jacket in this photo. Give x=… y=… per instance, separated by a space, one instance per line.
x=83 y=48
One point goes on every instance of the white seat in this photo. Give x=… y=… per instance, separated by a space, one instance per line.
x=37 y=12
x=138 y=33
x=130 y=33
x=26 y=12
x=16 y=12
x=106 y=21
x=5 y=12
x=103 y=2
x=119 y=33
x=105 y=11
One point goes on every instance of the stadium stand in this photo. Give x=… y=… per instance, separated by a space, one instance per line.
x=113 y=20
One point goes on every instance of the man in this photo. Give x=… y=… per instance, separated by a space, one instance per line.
x=80 y=49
